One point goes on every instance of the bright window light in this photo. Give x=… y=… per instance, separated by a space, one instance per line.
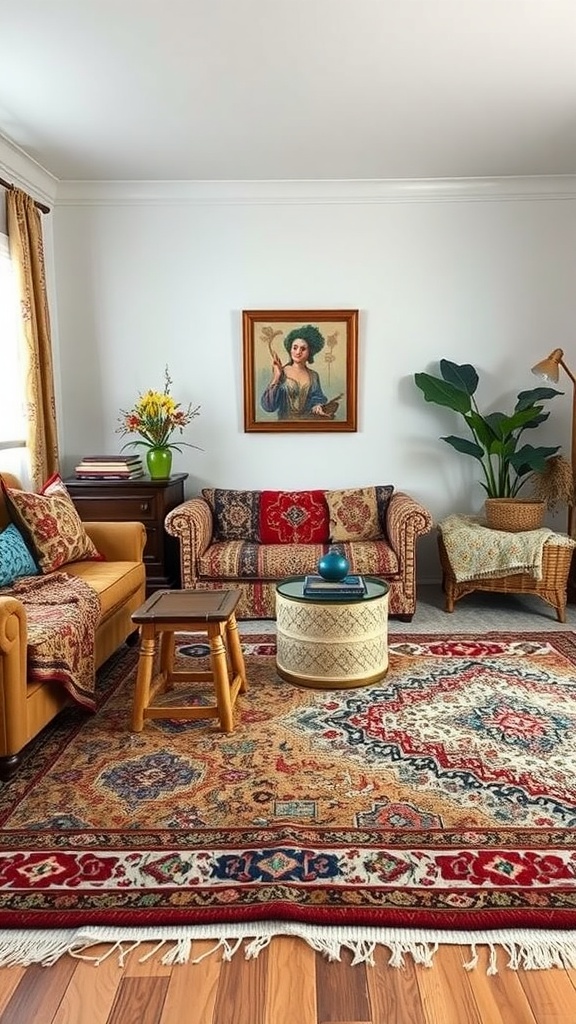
x=12 y=406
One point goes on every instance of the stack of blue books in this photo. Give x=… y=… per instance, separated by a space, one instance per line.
x=350 y=586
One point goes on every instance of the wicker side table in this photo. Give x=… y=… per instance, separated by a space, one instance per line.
x=551 y=588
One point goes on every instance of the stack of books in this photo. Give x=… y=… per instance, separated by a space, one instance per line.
x=110 y=467
x=350 y=586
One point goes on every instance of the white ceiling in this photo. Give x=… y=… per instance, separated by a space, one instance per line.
x=290 y=89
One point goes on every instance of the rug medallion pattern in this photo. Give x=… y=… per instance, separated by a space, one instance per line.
x=443 y=795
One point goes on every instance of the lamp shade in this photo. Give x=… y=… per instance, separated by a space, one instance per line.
x=549 y=368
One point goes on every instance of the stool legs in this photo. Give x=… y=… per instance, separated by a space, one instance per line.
x=144 y=678
x=167 y=645
x=236 y=655
x=221 y=682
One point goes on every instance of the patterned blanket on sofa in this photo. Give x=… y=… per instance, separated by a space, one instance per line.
x=62 y=614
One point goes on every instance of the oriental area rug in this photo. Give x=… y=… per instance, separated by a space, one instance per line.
x=438 y=805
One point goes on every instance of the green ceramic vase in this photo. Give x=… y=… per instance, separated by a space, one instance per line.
x=159 y=462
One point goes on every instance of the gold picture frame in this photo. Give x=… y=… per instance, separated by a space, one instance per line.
x=300 y=370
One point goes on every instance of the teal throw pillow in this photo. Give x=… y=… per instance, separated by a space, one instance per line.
x=15 y=558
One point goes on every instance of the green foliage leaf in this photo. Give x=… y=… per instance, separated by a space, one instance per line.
x=505 y=426
x=481 y=428
x=526 y=398
x=494 y=422
x=462 y=377
x=462 y=444
x=442 y=393
x=529 y=459
x=536 y=421
x=497 y=447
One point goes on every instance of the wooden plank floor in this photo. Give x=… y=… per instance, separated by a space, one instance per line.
x=287 y=984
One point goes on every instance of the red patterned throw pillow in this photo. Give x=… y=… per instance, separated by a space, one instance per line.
x=293 y=517
x=51 y=525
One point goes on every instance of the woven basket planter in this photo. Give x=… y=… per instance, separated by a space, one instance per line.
x=514 y=514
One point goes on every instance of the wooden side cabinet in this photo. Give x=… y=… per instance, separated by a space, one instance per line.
x=145 y=501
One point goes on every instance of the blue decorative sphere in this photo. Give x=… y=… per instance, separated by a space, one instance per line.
x=333 y=566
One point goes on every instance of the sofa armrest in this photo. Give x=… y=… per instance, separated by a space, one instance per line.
x=118 y=542
x=13 y=689
x=406 y=520
x=191 y=523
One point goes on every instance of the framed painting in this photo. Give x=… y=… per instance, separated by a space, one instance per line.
x=300 y=369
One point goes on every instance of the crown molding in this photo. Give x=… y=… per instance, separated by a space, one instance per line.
x=24 y=172
x=19 y=167
x=385 y=190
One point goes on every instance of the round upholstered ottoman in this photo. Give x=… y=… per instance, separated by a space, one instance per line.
x=331 y=642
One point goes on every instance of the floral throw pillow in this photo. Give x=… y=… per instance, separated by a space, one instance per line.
x=293 y=517
x=50 y=524
x=15 y=558
x=235 y=513
x=358 y=513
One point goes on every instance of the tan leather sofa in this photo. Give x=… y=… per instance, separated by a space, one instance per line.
x=120 y=581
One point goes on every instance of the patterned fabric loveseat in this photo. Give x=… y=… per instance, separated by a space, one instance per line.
x=252 y=539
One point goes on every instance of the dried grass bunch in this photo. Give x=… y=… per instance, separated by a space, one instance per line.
x=554 y=485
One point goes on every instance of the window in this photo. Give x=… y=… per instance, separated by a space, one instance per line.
x=13 y=406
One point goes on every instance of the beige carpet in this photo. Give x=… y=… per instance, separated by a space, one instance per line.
x=474 y=613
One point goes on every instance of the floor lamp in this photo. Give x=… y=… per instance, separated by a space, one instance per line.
x=549 y=370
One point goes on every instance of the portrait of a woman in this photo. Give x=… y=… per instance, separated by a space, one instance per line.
x=300 y=370
x=295 y=391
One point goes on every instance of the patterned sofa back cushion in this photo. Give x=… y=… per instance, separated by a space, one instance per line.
x=293 y=517
x=359 y=513
x=50 y=525
x=299 y=517
x=236 y=514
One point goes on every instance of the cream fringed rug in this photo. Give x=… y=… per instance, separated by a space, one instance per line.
x=436 y=806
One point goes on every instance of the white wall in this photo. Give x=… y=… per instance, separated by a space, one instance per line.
x=473 y=271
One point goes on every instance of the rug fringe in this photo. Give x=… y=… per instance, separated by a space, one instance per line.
x=526 y=950
x=23 y=948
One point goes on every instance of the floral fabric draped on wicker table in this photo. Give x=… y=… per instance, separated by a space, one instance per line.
x=476 y=552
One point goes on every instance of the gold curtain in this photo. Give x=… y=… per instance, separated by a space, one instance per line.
x=27 y=253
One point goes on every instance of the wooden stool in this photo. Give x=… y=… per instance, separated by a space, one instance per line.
x=168 y=611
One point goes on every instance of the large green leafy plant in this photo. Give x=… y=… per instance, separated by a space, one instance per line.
x=495 y=440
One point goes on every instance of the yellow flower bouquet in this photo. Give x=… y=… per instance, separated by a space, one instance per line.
x=155 y=417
